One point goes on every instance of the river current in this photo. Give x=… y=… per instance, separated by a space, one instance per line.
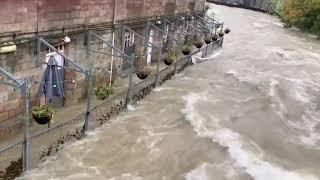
x=252 y=111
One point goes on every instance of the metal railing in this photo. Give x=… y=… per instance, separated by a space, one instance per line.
x=50 y=141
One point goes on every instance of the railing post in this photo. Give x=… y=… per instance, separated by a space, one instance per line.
x=157 y=78
x=205 y=54
x=190 y=60
x=147 y=38
x=128 y=99
x=221 y=41
x=175 y=70
x=26 y=128
x=38 y=53
x=87 y=116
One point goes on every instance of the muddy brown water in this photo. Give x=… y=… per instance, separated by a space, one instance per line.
x=251 y=112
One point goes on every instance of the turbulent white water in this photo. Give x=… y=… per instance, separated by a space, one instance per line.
x=252 y=162
x=249 y=111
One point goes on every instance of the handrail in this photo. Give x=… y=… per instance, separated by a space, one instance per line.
x=156 y=27
x=131 y=30
x=110 y=45
x=40 y=40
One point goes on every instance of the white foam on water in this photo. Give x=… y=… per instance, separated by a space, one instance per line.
x=259 y=25
x=252 y=163
x=131 y=107
x=221 y=171
x=198 y=59
x=199 y=173
x=215 y=55
x=159 y=89
x=127 y=176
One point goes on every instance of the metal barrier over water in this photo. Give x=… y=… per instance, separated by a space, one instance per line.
x=13 y=159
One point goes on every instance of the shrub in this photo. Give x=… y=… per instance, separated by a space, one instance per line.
x=103 y=92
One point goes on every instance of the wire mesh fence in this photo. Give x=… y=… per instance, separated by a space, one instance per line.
x=50 y=141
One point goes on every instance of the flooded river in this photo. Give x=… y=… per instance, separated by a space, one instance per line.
x=251 y=112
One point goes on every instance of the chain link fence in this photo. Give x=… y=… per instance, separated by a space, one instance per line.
x=50 y=141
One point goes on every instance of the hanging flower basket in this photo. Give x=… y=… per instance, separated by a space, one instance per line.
x=42 y=114
x=227 y=31
x=198 y=44
x=143 y=73
x=102 y=92
x=186 y=50
x=214 y=38
x=207 y=40
x=170 y=58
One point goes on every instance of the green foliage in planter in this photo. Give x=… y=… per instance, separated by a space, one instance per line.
x=42 y=111
x=215 y=37
x=198 y=44
x=221 y=34
x=170 y=57
x=144 y=72
x=139 y=61
x=103 y=92
x=188 y=39
x=197 y=41
x=186 y=49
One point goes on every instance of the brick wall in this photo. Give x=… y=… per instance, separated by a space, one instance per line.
x=25 y=16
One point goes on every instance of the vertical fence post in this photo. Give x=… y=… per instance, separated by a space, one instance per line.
x=26 y=128
x=157 y=78
x=38 y=63
x=176 y=64
x=212 y=46
x=222 y=38
x=88 y=39
x=128 y=99
x=190 y=60
x=206 y=51
x=147 y=36
x=89 y=80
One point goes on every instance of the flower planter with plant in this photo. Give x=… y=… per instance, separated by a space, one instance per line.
x=170 y=57
x=143 y=73
x=227 y=31
x=207 y=40
x=102 y=92
x=215 y=38
x=42 y=114
x=221 y=34
x=197 y=42
x=142 y=70
x=186 y=50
